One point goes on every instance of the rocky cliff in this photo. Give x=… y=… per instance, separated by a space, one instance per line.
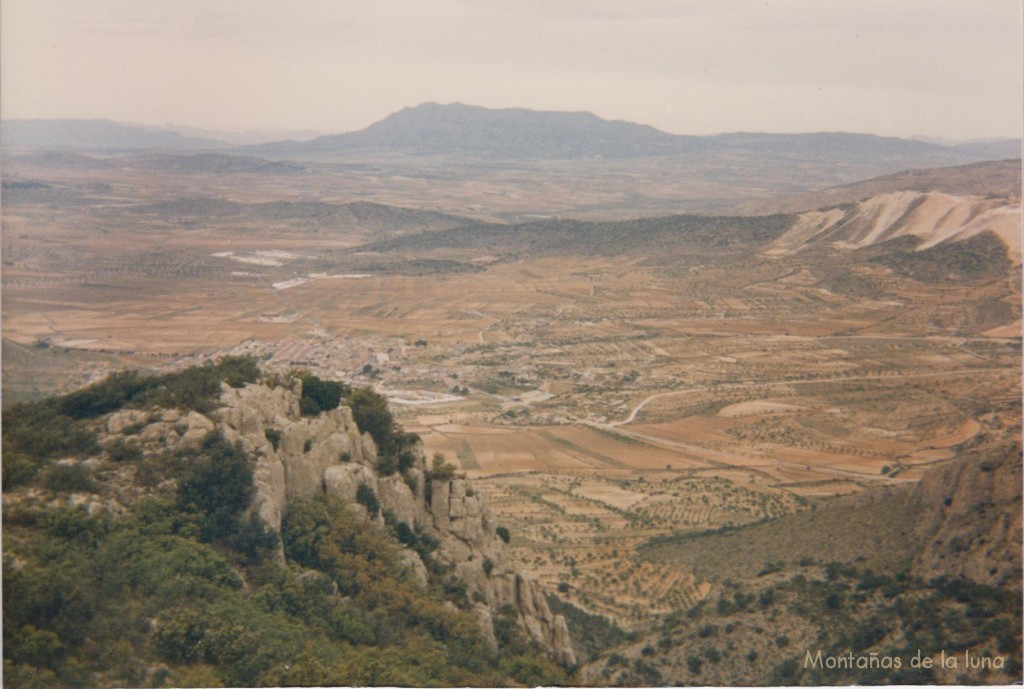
x=299 y=456
x=970 y=519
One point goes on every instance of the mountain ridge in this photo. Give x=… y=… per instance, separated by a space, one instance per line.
x=433 y=128
x=470 y=131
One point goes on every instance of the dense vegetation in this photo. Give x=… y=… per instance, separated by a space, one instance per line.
x=981 y=256
x=34 y=433
x=186 y=590
x=142 y=601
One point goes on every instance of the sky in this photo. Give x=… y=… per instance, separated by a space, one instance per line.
x=939 y=68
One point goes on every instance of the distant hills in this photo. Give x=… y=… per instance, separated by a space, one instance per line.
x=94 y=135
x=473 y=132
x=106 y=135
x=931 y=218
x=904 y=220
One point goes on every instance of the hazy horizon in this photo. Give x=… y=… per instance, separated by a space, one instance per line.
x=918 y=68
x=308 y=134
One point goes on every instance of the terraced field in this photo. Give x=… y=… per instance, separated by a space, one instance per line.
x=577 y=531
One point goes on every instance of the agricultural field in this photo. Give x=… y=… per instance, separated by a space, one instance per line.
x=598 y=390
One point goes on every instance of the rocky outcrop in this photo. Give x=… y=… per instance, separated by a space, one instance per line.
x=970 y=523
x=466 y=530
x=301 y=456
x=292 y=452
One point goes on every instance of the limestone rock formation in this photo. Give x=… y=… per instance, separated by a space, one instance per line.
x=302 y=456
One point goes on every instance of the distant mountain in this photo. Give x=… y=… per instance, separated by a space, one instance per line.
x=470 y=131
x=94 y=135
x=995 y=148
x=513 y=133
x=866 y=146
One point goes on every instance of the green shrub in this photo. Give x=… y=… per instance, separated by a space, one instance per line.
x=35 y=647
x=109 y=394
x=274 y=436
x=503 y=534
x=38 y=431
x=707 y=630
x=69 y=478
x=319 y=395
x=236 y=371
x=46 y=610
x=366 y=497
x=252 y=538
x=18 y=469
x=425 y=542
x=387 y=465
x=785 y=673
x=412 y=482
x=181 y=634
x=371 y=414
x=405 y=535
x=869 y=633
x=532 y=671
x=217 y=486
x=121 y=451
x=442 y=471
x=406 y=460
x=694 y=664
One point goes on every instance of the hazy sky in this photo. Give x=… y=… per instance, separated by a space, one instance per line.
x=948 y=68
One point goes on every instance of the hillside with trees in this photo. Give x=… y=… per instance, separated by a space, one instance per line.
x=125 y=566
